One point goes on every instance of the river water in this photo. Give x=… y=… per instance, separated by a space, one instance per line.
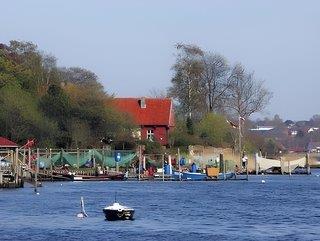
x=282 y=208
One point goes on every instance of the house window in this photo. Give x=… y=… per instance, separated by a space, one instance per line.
x=150 y=135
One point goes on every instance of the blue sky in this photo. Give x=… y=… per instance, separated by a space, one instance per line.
x=130 y=44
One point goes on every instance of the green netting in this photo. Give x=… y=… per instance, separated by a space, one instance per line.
x=101 y=157
x=108 y=158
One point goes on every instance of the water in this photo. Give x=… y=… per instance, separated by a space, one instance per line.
x=282 y=208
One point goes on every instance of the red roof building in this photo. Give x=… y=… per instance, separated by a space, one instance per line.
x=5 y=143
x=155 y=116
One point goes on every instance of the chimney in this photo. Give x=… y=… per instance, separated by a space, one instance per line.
x=142 y=103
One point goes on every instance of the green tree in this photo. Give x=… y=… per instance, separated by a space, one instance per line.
x=180 y=136
x=186 y=83
x=21 y=118
x=214 y=130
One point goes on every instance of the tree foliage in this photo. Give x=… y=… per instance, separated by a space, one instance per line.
x=60 y=107
x=214 y=130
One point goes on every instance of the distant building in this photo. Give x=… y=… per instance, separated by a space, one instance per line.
x=154 y=116
x=289 y=123
x=314 y=147
x=312 y=129
x=262 y=128
x=293 y=132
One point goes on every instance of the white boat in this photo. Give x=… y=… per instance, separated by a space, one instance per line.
x=118 y=212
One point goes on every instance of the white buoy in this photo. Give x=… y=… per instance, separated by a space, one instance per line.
x=263 y=181
x=317 y=175
x=61 y=184
x=80 y=215
x=38 y=193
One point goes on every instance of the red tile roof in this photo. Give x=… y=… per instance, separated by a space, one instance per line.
x=7 y=143
x=158 y=112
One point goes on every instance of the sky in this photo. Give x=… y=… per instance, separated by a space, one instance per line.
x=130 y=44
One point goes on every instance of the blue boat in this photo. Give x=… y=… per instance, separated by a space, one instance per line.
x=226 y=176
x=191 y=176
x=195 y=176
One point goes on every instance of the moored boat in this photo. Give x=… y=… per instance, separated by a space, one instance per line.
x=119 y=176
x=195 y=176
x=118 y=212
x=191 y=176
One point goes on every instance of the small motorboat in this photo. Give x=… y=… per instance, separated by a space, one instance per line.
x=107 y=176
x=189 y=176
x=118 y=212
x=195 y=176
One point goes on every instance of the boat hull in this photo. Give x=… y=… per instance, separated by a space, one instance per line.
x=191 y=176
x=106 y=177
x=113 y=215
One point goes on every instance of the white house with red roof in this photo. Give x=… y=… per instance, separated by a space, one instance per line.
x=155 y=116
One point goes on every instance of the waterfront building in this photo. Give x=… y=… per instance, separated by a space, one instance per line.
x=154 y=116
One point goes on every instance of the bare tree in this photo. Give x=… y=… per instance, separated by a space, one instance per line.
x=157 y=93
x=245 y=94
x=49 y=62
x=215 y=81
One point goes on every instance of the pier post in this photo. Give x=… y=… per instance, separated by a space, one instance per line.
x=51 y=168
x=17 y=169
x=220 y=162
x=222 y=166
x=1 y=178
x=12 y=161
x=308 y=164
x=37 y=170
x=170 y=164
x=224 y=169
x=29 y=158
x=179 y=164
x=78 y=157
x=163 y=168
x=289 y=167
x=139 y=167
x=256 y=156
x=144 y=162
x=24 y=156
x=94 y=161
x=117 y=166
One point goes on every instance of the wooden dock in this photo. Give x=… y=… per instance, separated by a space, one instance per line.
x=10 y=180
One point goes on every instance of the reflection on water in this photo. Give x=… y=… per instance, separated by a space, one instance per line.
x=282 y=208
